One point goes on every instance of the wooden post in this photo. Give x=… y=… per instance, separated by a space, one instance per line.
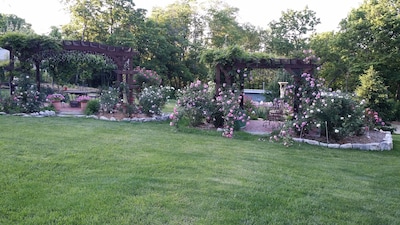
x=217 y=78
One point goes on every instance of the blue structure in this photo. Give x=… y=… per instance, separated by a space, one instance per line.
x=256 y=95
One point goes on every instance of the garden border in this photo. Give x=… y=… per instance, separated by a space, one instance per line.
x=49 y=113
x=385 y=144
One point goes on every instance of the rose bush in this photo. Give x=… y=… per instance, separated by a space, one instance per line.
x=198 y=103
x=152 y=100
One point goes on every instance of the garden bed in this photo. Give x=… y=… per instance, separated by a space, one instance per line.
x=374 y=140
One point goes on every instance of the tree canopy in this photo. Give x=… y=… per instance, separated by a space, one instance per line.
x=177 y=41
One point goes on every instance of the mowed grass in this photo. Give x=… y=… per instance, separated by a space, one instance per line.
x=86 y=171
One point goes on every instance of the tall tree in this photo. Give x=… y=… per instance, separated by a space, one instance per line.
x=182 y=30
x=290 y=34
x=372 y=34
x=335 y=70
x=223 y=28
x=105 y=21
x=12 y=23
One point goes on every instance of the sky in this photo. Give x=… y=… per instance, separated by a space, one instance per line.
x=43 y=14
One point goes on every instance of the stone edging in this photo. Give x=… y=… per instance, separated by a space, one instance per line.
x=385 y=144
x=48 y=113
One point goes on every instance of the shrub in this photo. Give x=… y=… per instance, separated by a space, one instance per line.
x=109 y=99
x=145 y=77
x=229 y=102
x=375 y=93
x=170 y=92
x=8 y=105
x=249 y=107
x=336 y=114
x=261 y=112
x=196 y=103
x=47 y=90
x=92 y=107
x=152 y=100
x=26 y=96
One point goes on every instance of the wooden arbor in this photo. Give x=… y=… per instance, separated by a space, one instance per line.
x=223 y=72
x=121 y=56
x=226 y=73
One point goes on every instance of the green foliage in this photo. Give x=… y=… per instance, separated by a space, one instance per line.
x=375 y=93
x=26 y=96
x=250 y=108
x=12 y=23
x=228 y=102
x=195 y=102
x=8 y=105
x=92 y=107
x=334 y=69
x=348 y=53
x=146 y=78
x=335 y=114
x=289 y=34
x=227 y=56
x=198 y=105
x=109 y=98
x=261 y=112
x=78 y=67
x=152 y=99
x=341 y=113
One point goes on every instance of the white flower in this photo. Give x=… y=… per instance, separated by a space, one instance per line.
x=318 y=125
x=349 y=116
x=336 y=131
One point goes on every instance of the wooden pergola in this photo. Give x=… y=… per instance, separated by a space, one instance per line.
x=121 y=56
x=296 y=67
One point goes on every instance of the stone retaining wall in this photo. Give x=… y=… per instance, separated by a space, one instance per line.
x=385 y=144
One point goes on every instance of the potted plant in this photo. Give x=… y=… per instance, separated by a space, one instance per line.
x=83 y=99
x=56 y=99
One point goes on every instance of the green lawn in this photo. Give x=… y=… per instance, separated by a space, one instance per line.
x=86 y=171
x=169 y=107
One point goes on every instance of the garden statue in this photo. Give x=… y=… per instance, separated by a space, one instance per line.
x=282 y=86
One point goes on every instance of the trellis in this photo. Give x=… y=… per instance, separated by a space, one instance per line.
x=121 y=56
